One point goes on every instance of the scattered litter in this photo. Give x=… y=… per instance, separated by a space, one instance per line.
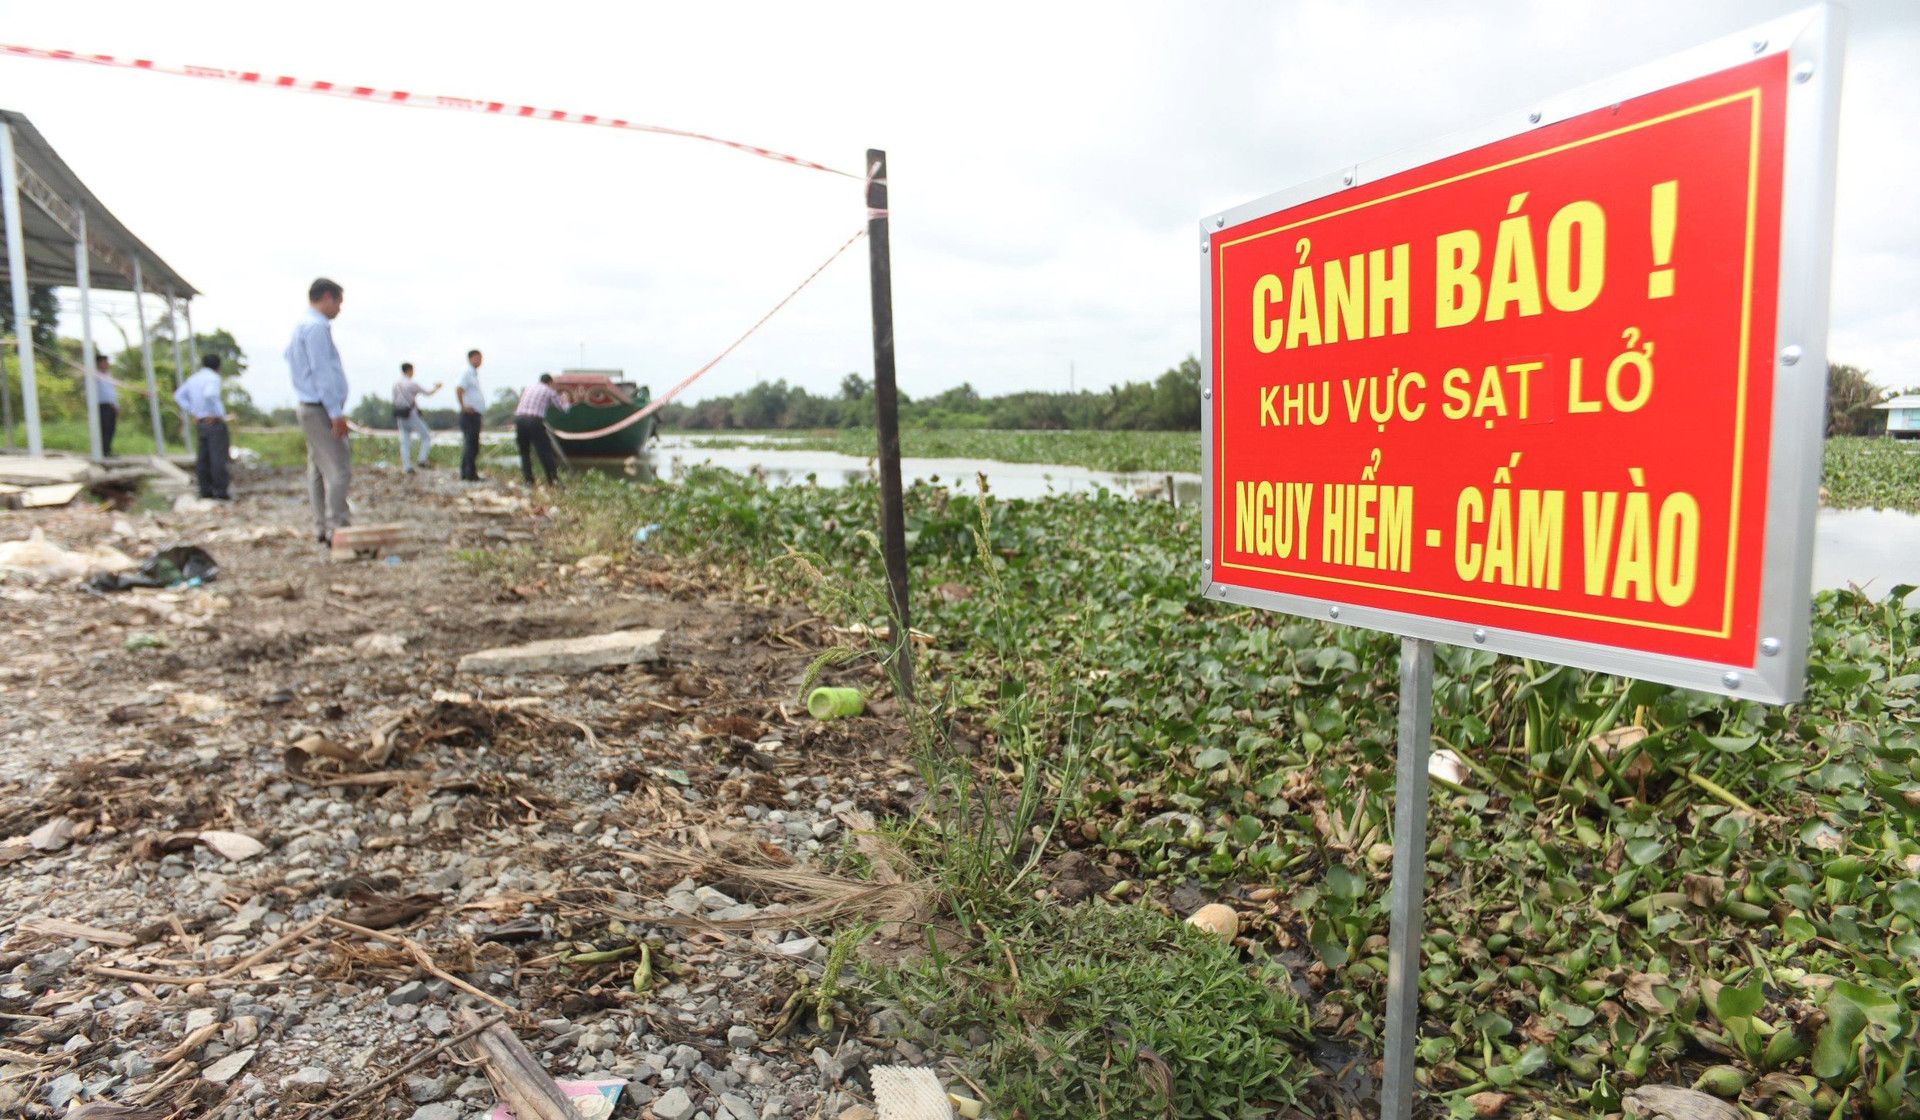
x=380 y=645
x=52 y=836
x=1217 y=919
x=180 y=565
x=641 y=534
x=393 y=561
x=834 y=703
x=58 y=927
x=236 y=846
x=903 y=1093
x=880 y=633
x=592 y=1100
x=38 y=559
x=520 y=1081
x=233 y=845
x=1447 y=765
x=145 y=640
x=197 y=703
x=1669 y=1102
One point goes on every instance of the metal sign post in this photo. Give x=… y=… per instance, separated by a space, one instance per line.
x=1408 y=891
x=886 y=409
x=1552 y=388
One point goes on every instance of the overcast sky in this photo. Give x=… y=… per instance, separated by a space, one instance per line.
x=1049 y=162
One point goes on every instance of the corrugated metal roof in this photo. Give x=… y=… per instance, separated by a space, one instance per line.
x=49 y=191
x=1910 y=400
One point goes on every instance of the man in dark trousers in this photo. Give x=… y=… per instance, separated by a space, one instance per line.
x=199 y=398
x=109 y=397
x=473 y=407
x=530 y=426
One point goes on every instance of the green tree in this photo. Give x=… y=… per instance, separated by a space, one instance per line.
x=371 y=411
x=43 y=308
x=1851 y=395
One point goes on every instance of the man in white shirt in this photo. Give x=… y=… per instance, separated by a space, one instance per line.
x=320 y=385
x=108 y=395
x=199 y=400
x=473 y=407
x=406 y=415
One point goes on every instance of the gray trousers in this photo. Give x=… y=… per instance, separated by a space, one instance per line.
x=329 y=464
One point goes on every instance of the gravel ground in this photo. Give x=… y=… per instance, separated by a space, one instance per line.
x=477 y=831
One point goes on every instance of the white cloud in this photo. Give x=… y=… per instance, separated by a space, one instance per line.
x=1049 y=162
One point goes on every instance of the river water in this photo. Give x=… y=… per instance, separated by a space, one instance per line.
x=1871 y=549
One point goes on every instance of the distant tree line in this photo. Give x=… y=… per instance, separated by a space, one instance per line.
x=1170 y=402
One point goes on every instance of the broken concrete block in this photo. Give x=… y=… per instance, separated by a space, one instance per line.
x=352 y=542
x=568 y=655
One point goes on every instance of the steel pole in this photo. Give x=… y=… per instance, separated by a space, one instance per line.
x=886 y=410
x=193 y=363
x=180 y=372
x=83 y=279
x=146 y=359
x=1409 y=877
x=17 y=276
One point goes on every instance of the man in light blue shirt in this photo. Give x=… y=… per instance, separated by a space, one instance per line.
x=320 y=385
x=199 y=400
x=108 y=395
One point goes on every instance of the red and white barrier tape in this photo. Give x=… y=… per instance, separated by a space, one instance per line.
x=404 y=99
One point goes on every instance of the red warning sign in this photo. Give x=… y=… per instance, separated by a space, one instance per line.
x=1527 y=388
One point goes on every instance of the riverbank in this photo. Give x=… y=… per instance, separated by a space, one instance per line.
x=1630 y=885
x=632 y=865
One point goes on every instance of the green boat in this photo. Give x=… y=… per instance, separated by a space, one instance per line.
x=600 y=400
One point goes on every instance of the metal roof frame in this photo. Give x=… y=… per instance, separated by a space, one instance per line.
x=52 y=198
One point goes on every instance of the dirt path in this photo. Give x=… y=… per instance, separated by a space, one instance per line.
x=507 y=822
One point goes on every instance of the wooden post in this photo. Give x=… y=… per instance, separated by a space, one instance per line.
x=886 y=414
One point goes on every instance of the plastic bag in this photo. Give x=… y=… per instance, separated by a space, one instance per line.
x=170 y=567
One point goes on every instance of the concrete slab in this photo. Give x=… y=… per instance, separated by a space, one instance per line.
x=567 y=655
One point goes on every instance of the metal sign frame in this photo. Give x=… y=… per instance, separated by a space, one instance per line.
x=1811 y=40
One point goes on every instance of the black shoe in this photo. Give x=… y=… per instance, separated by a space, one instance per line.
x=326 y=538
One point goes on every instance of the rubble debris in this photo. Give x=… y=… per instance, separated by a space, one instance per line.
x=227 y=1068
x=39 y=497
x=567 y=655
x=22 y=470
